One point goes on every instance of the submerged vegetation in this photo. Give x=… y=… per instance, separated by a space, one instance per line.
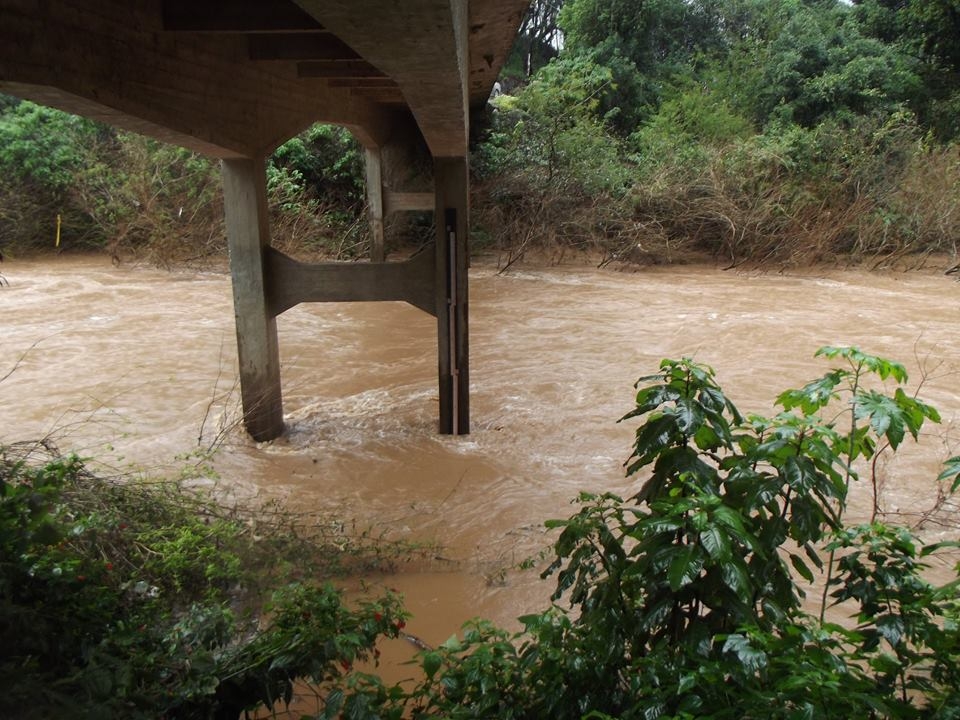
x=702 y=595
x=784 y=132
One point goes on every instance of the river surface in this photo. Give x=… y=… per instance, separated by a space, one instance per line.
x=133 y=365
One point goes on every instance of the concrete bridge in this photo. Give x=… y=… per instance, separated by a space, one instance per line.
x=234 y=79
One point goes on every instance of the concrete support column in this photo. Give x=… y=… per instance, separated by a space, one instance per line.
x=375 y=205
x=248 y=235
x=452 y=215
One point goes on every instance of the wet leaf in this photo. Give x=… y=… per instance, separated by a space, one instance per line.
x=951 y=469
x=751 y=658
x=684 y=567
x=431 y=663
x=801 y=567
x=716 y=543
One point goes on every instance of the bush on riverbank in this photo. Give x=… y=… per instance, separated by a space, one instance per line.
x=775 y=132
x=686 y=600
x=696 y=181
x=135 y=197
x=132 y=600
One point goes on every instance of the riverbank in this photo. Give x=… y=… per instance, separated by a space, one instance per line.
x=537 y=257
x=144 y=597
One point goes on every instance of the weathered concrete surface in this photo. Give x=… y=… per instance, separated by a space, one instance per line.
x=245 y=202
x=235 y=77
x=290 y=282
x=453 y=354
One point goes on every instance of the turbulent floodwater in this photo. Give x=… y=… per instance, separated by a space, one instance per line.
x=134 y=365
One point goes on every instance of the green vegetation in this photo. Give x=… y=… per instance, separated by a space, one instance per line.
x=687 y=600
x=702 y=595
x=131 y=195
x=762 y=131
x=132 y=600
x=786 y=132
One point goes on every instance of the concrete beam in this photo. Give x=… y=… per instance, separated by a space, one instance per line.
x=406 y=201
x=299 y=46
x=111 y=60
x=215 y=16
x=290 y=282
x=248 y=235
x=339 y=70
x=416 y=44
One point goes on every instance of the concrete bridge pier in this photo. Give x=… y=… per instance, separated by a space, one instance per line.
x=248 y=238
x=375 y=205
x=266 y=283
x=232 y=79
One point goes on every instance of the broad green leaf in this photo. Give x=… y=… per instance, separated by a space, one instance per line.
x=891 y=628
x=653 y=397
x=814 y=395
x=431 y=663
x=801 y=567
x=882 y=367
x=914 y=411
x=792 y=474
x=657 y=525
x=653 y=711
x=689 y=416
x=884 y=415
x=750 y=657
x=726 y=515
x=684 y=567
x=687 y=681
x=951 y=470
x=452 y=643
x=706 y=438
x=736 y=577
x=813 y=555
x=716 y=543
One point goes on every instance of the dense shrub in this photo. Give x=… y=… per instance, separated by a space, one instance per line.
x=40 y=152
x=768 y=132
x=122 y=600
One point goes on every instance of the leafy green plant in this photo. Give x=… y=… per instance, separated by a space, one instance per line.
x=121 y=601
x=687 y=599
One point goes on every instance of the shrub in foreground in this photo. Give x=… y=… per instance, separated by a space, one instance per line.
x=687 y=599
x=123 y=601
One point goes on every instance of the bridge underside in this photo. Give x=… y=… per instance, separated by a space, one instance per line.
x=235 y=78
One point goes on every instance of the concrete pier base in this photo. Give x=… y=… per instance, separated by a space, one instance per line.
x=266 y=283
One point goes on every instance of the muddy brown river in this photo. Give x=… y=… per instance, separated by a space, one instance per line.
x=132 y=365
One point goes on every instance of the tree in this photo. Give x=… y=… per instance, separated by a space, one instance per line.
x=686 y=598
x=929 y=32
x=539 y=39
x=644 y=44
